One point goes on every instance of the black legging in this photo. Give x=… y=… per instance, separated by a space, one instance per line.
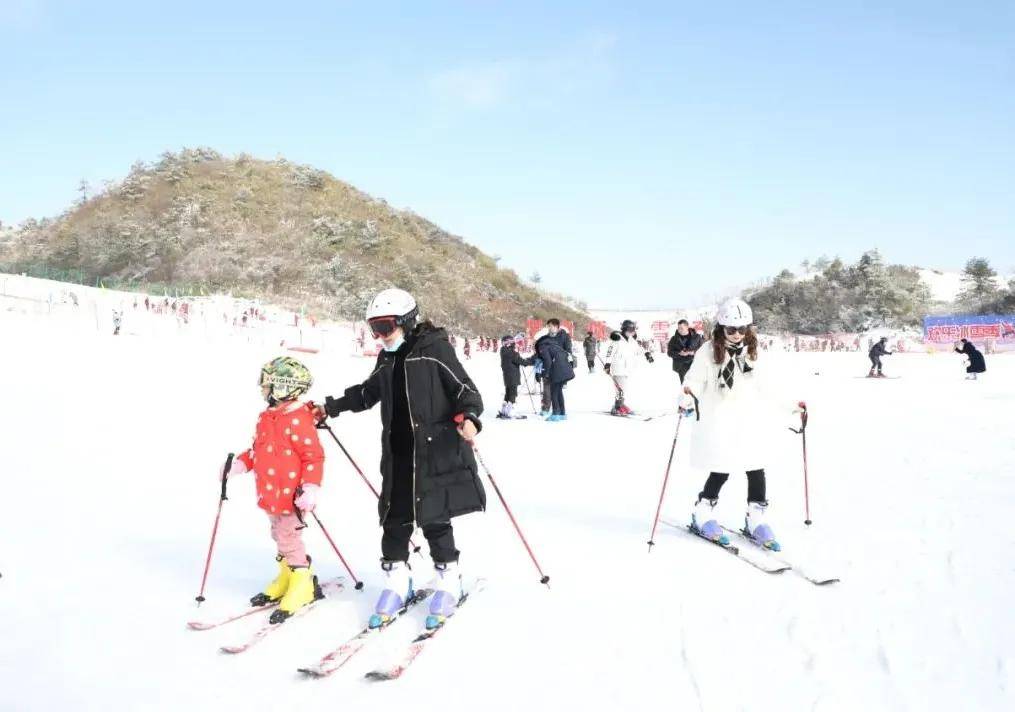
x=755 y=485
x=876 y=363
x=557 y=398
x=510 y=394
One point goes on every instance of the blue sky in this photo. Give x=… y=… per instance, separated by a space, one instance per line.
x=635 y=154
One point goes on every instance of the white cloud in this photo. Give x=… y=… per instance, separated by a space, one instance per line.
x=483 y=85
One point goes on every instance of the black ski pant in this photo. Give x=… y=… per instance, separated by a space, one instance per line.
x=592 y=363
x=557 y=398
x=399 y=522
x=681 y=368
x=755 y=485
x=510 y=393
x=547 y=400
x=876 y=363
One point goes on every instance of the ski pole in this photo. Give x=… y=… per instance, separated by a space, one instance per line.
x=543 y=578
x=666 y=479
x=323 y=425
x=802 y=432
x=359 y=584
x=620 y=391
x=528 y=387
x=214 y=530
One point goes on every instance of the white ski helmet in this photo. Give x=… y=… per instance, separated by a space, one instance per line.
x=734 y=312
x=393 y=302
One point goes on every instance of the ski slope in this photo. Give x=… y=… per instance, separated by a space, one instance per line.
x=111 y=447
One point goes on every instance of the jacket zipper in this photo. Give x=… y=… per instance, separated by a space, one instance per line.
x=415 y=445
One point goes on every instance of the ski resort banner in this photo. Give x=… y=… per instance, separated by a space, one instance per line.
x=992 y=332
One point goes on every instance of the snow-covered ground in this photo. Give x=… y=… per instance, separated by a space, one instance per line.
x=111 y=447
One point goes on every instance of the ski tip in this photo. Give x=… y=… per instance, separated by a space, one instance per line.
x=379 y=676
x=314 y=672
x=232 y=649
x=198 y=625
x=825 y=582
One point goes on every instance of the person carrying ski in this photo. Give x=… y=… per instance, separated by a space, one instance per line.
x=288 y=464
x=727 y=387
x=591 y=345
x=622 y=356
x=682 y=347
x=428 y=406
x=977 y=364
x=510 y=365
x=877 y=351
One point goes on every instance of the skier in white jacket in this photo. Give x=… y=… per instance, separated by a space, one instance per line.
x=737 y=416
x=622 y=356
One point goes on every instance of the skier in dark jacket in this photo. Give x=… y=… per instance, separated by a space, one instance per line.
x=682 y=346
x=429 y=405
x=591 y=345
x=554 y=348
x=877 y=351
x=510 y=365
x=977 y=364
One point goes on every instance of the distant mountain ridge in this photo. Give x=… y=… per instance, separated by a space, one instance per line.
x=279 y=231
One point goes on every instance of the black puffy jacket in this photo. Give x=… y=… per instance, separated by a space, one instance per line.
x=977 y=364
x=556 y=354
x=691 y=342
x=445 y=477
x=510 y=361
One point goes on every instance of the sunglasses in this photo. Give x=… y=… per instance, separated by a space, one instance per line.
x=383 y=325
x=742 y=330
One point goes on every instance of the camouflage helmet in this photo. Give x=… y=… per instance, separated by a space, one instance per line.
x=286 y=378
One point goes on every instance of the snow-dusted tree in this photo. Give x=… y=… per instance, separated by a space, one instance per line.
x=979 y=286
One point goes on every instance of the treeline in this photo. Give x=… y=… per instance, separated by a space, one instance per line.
x=835 y=296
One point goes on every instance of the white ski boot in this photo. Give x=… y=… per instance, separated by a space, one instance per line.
x=704 y=523
x=397 y=591
x=447 y=592
x=756 y=528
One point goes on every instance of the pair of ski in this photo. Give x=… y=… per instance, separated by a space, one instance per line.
x=770 y=562
x=336 y=659
x=328 y=589
x=632 y=416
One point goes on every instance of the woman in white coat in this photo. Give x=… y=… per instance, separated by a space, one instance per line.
x=736 y=421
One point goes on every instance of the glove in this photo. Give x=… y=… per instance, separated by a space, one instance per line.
x=331 y=407
x=686 y=405
x=606 y=367
x=649 y=357
x=570 y=359
x=307 y=498
x=237 y=468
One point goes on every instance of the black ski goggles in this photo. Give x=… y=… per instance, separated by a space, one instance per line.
x=742 y=330
x=382 y=326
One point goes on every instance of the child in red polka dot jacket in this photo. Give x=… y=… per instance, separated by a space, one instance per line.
x=288 y=463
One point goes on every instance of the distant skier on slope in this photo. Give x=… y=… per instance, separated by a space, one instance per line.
x=733 y=407
x=428 y=406
x=288 y=463
x=591 y=346
x=976 y=364
x=622 y=356
x=877 y=351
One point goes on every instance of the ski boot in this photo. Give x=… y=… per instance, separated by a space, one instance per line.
x=872 y=374
x=277 y=588
x=447 y=592
x=703 y=522
x=756 y=528
x=303 y=589
x=397 y=591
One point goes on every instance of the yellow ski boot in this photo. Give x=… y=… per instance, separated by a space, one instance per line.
x=303 y=589
x=277 y=588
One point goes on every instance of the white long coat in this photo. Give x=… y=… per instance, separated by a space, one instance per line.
x=738 y=425
x=624 y=356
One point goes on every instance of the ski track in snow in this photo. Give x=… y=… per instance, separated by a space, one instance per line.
x=114 y=493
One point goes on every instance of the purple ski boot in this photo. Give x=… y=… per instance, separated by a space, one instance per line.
x=397 y=590
x=447 y=591
x=703 y=522
x=756 y=528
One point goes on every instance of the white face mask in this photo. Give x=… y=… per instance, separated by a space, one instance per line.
x=396 y=345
